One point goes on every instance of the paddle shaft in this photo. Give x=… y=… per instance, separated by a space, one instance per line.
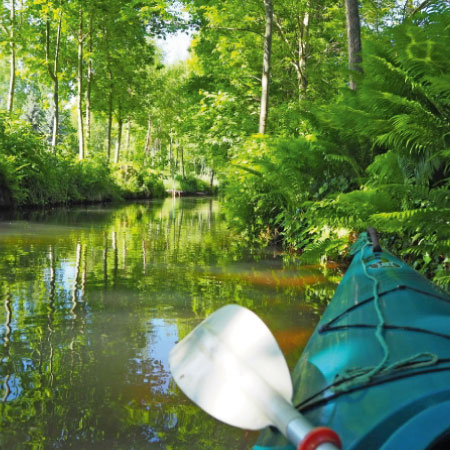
x=289 y=421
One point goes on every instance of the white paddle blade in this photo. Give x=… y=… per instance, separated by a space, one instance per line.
x=232 y=367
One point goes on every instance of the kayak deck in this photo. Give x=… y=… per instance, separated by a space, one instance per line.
x=377 y=368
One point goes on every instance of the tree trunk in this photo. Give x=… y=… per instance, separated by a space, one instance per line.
x=53 y=73
x=89 y=86
x=127 y=141
x=353 y=39
x=266 y=67
x=80 y=87
x=303 y=54
x=170 y=153
x=182 y=161
x=119 y=140
x=155 y=146
x=56 y=86
x=109 y=132
x=110 y=116
x=110 y=100
x=12 y=61
x=171 y=162
x=177 y=157
x=148 y=138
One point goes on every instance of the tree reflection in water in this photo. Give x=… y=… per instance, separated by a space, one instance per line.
x=93 y=300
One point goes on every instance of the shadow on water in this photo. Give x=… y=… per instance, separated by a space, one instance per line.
x=92 y=299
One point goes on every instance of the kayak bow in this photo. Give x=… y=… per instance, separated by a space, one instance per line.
x=377 y=368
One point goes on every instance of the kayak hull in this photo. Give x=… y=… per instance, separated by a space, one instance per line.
x=406 y=404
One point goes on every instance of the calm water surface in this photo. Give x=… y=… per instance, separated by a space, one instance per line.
x=93 y=299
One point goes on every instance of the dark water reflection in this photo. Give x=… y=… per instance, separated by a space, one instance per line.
x=93 y=299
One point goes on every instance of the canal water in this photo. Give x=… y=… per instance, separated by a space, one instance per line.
x=92 y=299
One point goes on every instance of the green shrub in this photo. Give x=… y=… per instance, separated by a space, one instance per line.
x=191 y=184
x=25 y=165
x=270 y=180
x=137 y=182
x=32 y=175
x=91 y=181
x=10 y=191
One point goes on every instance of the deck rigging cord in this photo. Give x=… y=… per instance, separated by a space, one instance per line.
x=317 y=399
x=364 y=375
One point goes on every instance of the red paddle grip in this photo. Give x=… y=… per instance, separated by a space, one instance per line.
x=318 y=436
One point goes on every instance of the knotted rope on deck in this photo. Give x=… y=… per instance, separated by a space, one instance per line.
x=364 y=375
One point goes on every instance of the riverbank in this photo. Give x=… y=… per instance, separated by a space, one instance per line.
x=32 y=175
x=65 y=181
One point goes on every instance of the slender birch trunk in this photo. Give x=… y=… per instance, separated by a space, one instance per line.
x=182 y=161
x=148 y=138
x=303 y=53
x=110 y=99
x=12 y=60
x=53 y=73
x=353 y=39
x=89 y=85
x=170 y=153
x=80 y=87
x=127 y=137
x=155 y=146
x=266 y=67
x=109 y=132
x=177 y=156
x=119 y=140
x=171 y=162
x=56 y=86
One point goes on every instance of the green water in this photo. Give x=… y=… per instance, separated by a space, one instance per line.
x=93 y=298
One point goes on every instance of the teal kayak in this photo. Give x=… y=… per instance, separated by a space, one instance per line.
x=377 y=368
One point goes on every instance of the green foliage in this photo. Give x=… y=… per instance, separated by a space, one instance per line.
x=402 y=102
x=375 y=157
x=271 y=178
x=90 y=181
x=402 y=106
x=31 y=175
x=9 y=182
x=24 y=169
x=137 y=182
x=192 y=184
